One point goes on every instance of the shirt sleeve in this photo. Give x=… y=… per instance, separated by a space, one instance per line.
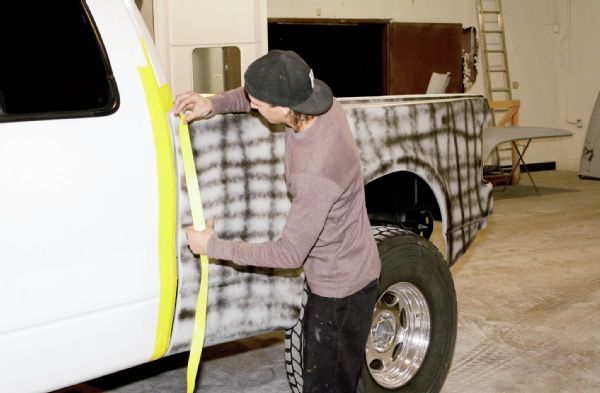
x=306 y=219
x=231 y=101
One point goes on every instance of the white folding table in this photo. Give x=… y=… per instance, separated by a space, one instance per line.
x=493 y=136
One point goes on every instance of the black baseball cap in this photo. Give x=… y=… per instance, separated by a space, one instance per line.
x=283 y=78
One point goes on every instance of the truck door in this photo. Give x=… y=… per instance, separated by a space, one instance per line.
x=87 y=219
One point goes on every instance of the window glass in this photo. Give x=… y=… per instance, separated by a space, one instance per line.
x=52 y=63
x=216 y=69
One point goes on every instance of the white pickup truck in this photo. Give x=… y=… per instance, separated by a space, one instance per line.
x=95 y=276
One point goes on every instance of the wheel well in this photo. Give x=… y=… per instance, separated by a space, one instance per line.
x=402 y=199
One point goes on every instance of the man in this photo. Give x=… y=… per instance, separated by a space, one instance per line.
x=327 y=230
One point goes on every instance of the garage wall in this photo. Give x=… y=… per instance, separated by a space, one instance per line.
x=551 y=50
x=533 y=32
x=579 y=76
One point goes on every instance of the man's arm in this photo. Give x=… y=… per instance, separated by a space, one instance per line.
x=232 y=101
x=305 y=221
x=198 y=107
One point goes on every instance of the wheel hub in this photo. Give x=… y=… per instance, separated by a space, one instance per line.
x=399 y=335
x=383 y=331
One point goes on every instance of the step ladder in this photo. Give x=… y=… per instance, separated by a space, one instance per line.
x=493 y=45
x=497 y=83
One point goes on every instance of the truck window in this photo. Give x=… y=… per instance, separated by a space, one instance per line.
x=53 y=63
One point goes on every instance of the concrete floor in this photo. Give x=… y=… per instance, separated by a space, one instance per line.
x=529 y=308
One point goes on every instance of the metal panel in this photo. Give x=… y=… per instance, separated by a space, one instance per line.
x=590 y=162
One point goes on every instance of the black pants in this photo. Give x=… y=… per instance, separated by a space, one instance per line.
x=335 y=334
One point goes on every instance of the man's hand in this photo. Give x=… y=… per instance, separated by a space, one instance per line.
x=198 y=240
x=196 y=106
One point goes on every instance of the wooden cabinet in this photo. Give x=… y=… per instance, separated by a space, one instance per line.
x=416 y=50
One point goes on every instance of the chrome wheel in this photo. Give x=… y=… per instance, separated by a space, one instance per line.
x=399 y=337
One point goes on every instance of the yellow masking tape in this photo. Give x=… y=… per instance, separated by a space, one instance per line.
x=191 y=180
x=160 y=102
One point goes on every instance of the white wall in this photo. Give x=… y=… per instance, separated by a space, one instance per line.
x=552 y=51
x=579 y=76
x=399 y=10
x=533 y=32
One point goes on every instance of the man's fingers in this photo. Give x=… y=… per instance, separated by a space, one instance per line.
x=191 y=116
x=189 y=231
x=195 y=106
x=184 y=100
x=210 y=223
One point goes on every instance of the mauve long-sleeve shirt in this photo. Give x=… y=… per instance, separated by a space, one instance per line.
x=327 y=230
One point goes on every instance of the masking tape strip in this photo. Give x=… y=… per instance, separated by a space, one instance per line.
x=191 y=180
x=160 y=102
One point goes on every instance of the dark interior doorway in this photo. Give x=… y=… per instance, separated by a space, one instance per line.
x=349 y=55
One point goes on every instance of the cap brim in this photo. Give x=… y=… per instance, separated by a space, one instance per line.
x=319 y=102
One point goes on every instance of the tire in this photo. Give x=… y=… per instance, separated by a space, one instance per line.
x=413 y=270
x=294 y=345
x=418 y=360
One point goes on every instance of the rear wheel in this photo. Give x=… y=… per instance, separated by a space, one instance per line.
x=413 y=329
